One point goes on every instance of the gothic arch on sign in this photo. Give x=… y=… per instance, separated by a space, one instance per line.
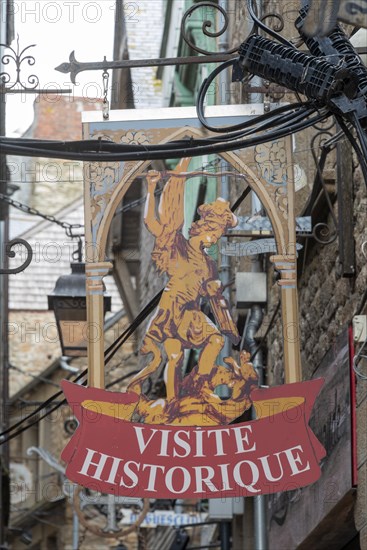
x=104 y=194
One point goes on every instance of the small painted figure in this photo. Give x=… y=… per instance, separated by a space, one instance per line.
x=179 y=323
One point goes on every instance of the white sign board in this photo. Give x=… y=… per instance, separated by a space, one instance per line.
x=165 y=518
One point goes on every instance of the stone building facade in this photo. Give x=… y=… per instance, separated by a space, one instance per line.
x=330 y=295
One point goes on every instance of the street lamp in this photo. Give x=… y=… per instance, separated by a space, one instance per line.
x=68 y=301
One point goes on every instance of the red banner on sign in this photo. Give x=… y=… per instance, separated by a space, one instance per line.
x=277 y=452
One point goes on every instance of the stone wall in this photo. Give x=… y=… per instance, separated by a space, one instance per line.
x=328 y=303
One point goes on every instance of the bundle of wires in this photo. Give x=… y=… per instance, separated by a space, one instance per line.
x=276 y=124
x=280 y=122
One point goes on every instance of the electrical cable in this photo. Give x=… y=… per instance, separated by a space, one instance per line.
x=45 y=404
x=109 y=353
x=204 y=90
x=34 y=376
x=233 y=131
x=122 y=378
x=57 y=406
x=142 y=153
x=241 y=198
x=104 y=146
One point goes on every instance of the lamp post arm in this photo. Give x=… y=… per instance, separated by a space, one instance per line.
x=47 y=457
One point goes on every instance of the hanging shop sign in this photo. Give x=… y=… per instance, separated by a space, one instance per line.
x=275 y=453
x=185 y=443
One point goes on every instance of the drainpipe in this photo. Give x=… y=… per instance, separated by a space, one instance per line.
x=256 y=317
x=4 y=313
x=225 y=266
x=250 y=345
x=75 y=531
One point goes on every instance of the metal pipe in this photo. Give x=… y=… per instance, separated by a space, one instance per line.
x=256 y=317
x=75 y=531
x=4 y=306
x=225 y=266
x=254 y=323
x=225 y=539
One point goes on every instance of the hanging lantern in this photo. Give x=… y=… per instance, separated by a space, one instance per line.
x=69 y=303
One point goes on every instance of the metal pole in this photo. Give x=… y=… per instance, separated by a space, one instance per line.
x=225 y=539
x=225 y=266
x=4 y=462
x=256 y=317
x=4 y=230
x=75 y=531
x=260 y=535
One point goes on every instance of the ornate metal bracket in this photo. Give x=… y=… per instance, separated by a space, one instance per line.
x=205 y=26
x=74 y=67
x=111 y=530
x=322 y=232
x=16 y=58
x=11 y=254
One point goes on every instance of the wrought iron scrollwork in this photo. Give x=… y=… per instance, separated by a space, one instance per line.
x=207 y=24
x=277 y=27
x=18 y=57
x=74 y=67
x=217 y=9
x=324 y=234
x=11 y=254
x=259 y=22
